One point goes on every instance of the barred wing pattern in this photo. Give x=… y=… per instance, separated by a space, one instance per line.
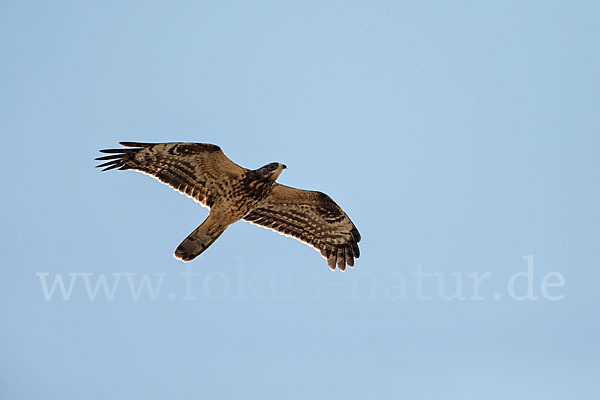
x=313 y=218
x=196 y=169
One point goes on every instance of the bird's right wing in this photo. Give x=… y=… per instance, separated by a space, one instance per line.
x=313 y=218
x=201 y=171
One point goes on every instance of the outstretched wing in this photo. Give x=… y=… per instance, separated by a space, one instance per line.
x=201 y=171
x=312 y=217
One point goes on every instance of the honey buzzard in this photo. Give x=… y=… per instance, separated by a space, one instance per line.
x=204 y=173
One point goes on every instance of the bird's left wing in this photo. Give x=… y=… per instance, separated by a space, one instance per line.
x=199 y=170
x=313 y=218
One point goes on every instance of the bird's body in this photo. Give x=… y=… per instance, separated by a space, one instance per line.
x=203 y=172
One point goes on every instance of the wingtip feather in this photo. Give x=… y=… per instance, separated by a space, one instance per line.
x=136 y=144
x=110 y=167
x=355 y=234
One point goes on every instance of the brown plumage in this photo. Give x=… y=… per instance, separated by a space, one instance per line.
x=203 y=172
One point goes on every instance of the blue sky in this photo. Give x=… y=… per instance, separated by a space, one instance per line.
x=461 y=137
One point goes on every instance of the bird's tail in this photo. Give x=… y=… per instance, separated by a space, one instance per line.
x=199 y=240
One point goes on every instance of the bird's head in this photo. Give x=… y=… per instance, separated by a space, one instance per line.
x=271 y=171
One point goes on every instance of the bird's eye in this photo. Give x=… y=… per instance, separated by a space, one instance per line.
x=271 y=167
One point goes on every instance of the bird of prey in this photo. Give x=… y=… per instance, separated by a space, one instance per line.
x=204 y=173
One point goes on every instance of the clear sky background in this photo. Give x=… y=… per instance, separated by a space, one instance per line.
x=459 y=136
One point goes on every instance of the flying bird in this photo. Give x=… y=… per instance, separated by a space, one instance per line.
x=204 y=173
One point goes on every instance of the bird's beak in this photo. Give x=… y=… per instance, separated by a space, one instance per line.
x=283 y=166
